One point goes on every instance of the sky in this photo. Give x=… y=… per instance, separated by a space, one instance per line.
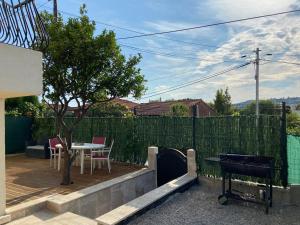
x=174 y=59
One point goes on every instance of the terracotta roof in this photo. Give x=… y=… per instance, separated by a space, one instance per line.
x=127 y=103
x=162 y=108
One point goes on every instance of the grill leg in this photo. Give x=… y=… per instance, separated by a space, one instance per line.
x=223 y=199
x=223 y=183
x=267 y=197
x=271 y=192
x=229 y=183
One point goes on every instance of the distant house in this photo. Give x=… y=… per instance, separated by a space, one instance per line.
x=163 y=108
x=128 y=104
x=73 y=111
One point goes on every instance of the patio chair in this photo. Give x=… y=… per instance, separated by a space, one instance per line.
x=101 y=156
x=99 y=140
x=54 y=152
x=95 y=140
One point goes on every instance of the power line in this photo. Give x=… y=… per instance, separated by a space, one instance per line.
x=265 y=63
x=138 y=32
x=43 y=5
x=195 y=81
x=171 y=75
x=294 y=55
x=280 y=61
x=209 y=25
x=176 y=76
x=166 y=48
x=172 y=54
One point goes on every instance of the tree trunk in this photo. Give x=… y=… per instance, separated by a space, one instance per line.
x=58 y=127
x=69 y=155
x=68 y=159
x=66 y=175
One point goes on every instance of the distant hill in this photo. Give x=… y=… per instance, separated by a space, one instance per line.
x=291 y=101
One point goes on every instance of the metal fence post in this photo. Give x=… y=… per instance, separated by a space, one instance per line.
x=92 y=127
x=195 y=107
x=283 y=147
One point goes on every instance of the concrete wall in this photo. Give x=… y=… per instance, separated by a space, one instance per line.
x=21 y=71
x=101 y=198
x=281 y=196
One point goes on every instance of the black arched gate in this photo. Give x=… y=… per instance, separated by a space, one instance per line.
x=171 y=164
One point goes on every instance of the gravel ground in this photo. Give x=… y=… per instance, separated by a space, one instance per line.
x=199 y=206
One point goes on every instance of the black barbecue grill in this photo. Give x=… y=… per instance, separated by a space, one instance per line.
x=248 y=165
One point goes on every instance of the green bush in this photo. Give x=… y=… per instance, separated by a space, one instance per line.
x=293 y=123
x=43 y=129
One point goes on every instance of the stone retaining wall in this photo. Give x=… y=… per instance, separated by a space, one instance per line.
x=101 y=198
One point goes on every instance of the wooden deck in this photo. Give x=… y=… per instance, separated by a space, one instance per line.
x=30 y=178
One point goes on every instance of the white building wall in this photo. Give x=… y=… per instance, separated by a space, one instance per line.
x=20 y=71
x=20 y=75
x=2 y=159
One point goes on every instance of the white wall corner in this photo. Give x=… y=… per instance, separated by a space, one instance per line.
x=152 y=161
x=191 y=163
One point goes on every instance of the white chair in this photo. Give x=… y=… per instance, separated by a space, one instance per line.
x=101 y=156
x=54 y=152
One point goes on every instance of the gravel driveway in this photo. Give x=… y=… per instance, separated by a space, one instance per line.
x=199 y=206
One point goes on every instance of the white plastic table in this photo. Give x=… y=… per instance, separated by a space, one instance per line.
x=80 y=148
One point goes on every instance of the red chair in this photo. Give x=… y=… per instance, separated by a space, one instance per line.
x=99 y=140
x=95 y=140
x=54 y=152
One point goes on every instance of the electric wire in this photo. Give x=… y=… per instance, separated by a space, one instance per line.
x=280 y=61
x=173 y=55
x=209 y=25
x=149 y=95
x=138 y=32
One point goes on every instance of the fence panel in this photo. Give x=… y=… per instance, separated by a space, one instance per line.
x=133 y=135
x=294 y=159
x=17 y=132
x=213 y=135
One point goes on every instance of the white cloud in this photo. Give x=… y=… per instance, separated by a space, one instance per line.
x=233 y=9
x=277 y=35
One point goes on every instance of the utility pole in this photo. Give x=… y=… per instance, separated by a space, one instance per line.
x=257 y=83
x=55 y=14
x=256 y=62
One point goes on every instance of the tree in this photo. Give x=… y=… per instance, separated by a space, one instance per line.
x=222 y=102
x=266 y=107
x=109 y=109
x=298 y=107
x=82 y=68
x=179 y=109
x=293 y=123
x=24 y=106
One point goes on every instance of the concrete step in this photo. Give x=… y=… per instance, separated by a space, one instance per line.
x=124 y=212
x=46 y=217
